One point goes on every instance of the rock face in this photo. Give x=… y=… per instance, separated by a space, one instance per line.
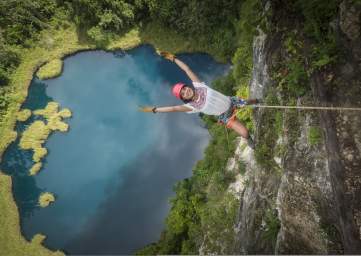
x=308 y=200
x=350 y=22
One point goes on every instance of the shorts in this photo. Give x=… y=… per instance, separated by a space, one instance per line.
x=228 y=117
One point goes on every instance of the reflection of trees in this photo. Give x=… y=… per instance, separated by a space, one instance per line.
x=16 y=163
x=119 y=53
x=37 y=97
x=26 y=194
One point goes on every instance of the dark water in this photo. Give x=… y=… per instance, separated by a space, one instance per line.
x=113 y=172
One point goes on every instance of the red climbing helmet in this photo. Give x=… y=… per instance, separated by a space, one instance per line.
x=177 y=89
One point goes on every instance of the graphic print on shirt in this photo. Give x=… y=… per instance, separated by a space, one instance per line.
x=202 y=95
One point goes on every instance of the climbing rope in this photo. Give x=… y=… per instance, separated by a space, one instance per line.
x=305 y=107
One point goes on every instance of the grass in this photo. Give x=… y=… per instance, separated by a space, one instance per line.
x=53 y=116
x=23 y=115
x=37 y=133
x=314 y=135
x=45 y=199
x=11 y=242
x=51 y=69
x=270 y=131
x=35 y=169
x=34 y=137
x=272 y=226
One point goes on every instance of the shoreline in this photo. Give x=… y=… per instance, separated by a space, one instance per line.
x=31 y=61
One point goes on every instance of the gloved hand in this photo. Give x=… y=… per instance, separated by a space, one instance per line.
x=168 y=56
x=147 y=109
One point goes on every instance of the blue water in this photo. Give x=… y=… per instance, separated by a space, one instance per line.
x=112 y=173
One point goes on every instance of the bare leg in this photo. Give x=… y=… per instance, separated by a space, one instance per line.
x=239 y=128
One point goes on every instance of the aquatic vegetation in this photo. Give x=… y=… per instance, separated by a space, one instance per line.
x=54 y=117
x=23 y=115
x=11 y=242
x=51 y=69
x=33 y=138
x=35 y=168
x=46 y=198
x=36 y=134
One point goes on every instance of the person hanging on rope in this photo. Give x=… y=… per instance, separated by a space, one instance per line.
x=201 y=98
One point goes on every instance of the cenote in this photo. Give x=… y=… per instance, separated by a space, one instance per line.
x=113 y=172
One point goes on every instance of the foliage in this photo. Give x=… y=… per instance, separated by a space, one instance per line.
x=23 y=115
x=54 y=116
x=51 y=69
x=21 y=20
x=246 y=29
x=318 y=16
x=314 y=135
x=46 y=198
x=208 y=22
x=98 y=19
x=272 y=226
x=269 y=132
x=34 y=137
x=190 y=17
x=292 y=78
x=35 y=168
x=9 y=61
x=11 y=241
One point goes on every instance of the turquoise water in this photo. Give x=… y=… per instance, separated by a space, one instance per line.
x=112 y=173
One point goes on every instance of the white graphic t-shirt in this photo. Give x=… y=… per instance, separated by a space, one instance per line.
x=209 y=101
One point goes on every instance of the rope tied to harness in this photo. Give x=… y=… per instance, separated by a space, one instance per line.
x=306 y=107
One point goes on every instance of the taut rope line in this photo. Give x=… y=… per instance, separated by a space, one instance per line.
x=306 y=107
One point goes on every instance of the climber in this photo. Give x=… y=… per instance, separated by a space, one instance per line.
x=201 y=98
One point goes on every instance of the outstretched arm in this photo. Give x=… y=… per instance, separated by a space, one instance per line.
x=186 y=69
x=180 y=108
x=181 y=64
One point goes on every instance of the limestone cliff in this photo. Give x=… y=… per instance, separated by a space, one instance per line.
x=301 y=190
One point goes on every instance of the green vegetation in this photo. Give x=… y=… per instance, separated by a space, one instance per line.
x=34 y=137
x=50 y=70
x=11 y=242
x=23 y=115
x=292 y=78
x=317 y=17
x=34 y=33
x=54 y=116
x=208 y=22
x=37 y=133
x=272 y=226
x=98 y=24
x=45 y=199
x=314 y=135
x=35 y=169
x=269 y=132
